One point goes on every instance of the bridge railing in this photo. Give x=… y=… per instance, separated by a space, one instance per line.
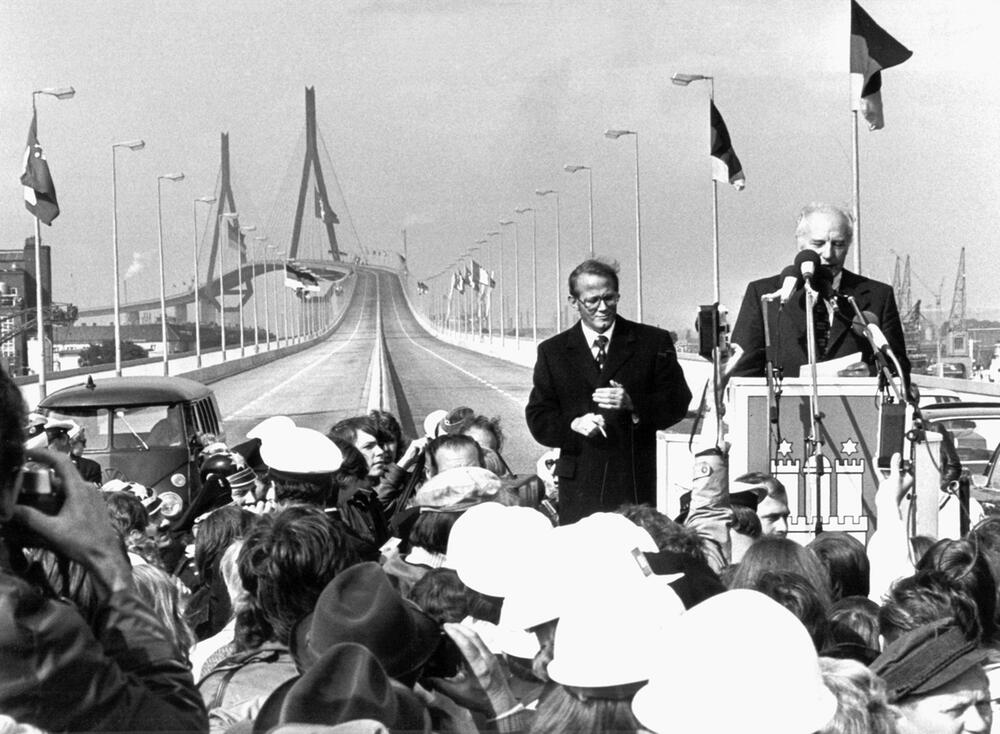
x=214 y=365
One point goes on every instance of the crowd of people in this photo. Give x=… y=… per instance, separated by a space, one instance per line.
x=366 y=581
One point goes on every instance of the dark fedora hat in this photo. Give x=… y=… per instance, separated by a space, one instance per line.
x=360 y=605
x=347 y=683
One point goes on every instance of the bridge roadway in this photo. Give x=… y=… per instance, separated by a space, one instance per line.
x=327 y=382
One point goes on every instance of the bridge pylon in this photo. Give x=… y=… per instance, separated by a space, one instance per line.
x=225 y=202
x=323 y=210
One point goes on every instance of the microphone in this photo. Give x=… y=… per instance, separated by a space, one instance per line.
x=816 y=274
x=790 y=280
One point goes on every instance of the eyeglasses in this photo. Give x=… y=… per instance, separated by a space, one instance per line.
x=609 y=299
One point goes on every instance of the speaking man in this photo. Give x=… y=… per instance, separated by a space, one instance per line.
x=601 y=391
x=828 y=231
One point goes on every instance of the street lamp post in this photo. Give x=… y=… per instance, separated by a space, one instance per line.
x=503 y=287
x=239 y=272
x=590 y=185
x=224 y=218
x=534 y=269
x=517 y=289
x=277 y=334
x=131 y=145
x=547 y=192
x=58 y=93
x=614 y=135
x=284 y=305
x=267 y=335
x=159 y=244
x=487 y=286
x=496 y=233
x=197 y=282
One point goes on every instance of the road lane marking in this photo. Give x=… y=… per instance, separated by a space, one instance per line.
x=448 y=362
x=309 y=366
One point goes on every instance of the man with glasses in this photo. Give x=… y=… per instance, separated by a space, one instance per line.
x=602 y=389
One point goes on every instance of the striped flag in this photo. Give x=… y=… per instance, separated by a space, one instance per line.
x=726 y=166
x=872 y=49
x=459 y=282
x=39 y=191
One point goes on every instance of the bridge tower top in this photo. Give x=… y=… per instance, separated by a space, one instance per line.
x=320 y=198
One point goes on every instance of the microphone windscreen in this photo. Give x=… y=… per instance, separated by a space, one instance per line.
x=871 y=318
x=858 y=326
x=804 y=256
x=790 y=271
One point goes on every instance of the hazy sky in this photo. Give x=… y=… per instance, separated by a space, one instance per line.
x=444 y=116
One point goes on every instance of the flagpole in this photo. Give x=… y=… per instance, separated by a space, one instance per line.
x=857 y=193
x=39 y=316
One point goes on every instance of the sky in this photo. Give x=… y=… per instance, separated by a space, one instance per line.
x=443 y=116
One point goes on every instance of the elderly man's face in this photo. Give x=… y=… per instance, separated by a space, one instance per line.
x=827 y=234
x=961 y=706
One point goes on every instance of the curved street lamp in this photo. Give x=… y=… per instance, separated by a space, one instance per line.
x=159 y=248
x=534 y=269
x=590 y=185
x=131 y=145
x=614 y=135
x=553 y=192
x=197 y=281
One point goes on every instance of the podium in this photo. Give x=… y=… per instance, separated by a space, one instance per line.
x=850 y=408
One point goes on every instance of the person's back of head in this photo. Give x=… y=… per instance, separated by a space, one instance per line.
x=862 y=706
x=796 y=594
x=216 y=533
x=771 y=553
x=126 y=512
x=926 y=597
x=667 y=534
x=452 y=450
x=846 y=562
x=431 y=531
x=967 y=568
x=163 y=594
x=287 y=559
x=853 y=630
x=310 y=489
x=485 y=431
x=442 y=595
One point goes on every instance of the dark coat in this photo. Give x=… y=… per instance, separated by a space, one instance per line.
x=788 y=335
x=90 y=470
x=600 y=473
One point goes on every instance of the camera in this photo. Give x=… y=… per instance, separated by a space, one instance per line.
x=37 y=486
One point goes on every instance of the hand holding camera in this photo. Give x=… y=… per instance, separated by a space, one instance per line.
x=69 y=516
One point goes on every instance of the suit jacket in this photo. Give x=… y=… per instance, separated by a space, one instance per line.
x=90 y=470
x=788 y=333
x=600 y=473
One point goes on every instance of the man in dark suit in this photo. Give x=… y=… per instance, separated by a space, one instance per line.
x=827 y=230
x=601 y=391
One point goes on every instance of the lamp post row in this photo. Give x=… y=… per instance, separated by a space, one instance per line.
x=63 y=93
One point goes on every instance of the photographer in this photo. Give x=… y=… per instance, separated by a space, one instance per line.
x=121 y=674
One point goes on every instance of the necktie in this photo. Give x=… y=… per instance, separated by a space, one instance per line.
x=601 y=343
x=821 y=318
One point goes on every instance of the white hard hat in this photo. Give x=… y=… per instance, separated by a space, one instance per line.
x=704 y=680
x=298 y=450
x=491 y=545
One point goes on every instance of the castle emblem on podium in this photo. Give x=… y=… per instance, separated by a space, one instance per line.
x=840 y=489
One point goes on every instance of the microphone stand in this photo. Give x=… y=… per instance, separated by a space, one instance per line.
x=814 y=443
x=773 y=375
x=880 y=359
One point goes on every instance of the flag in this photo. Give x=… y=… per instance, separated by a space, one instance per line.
x=300 y=278
x=467 y=277
x=39 y=191
x=232 y=233
x=726 y=166
x=477 y=276
x=325 y=215
x=872 y=49
x=458 y=282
